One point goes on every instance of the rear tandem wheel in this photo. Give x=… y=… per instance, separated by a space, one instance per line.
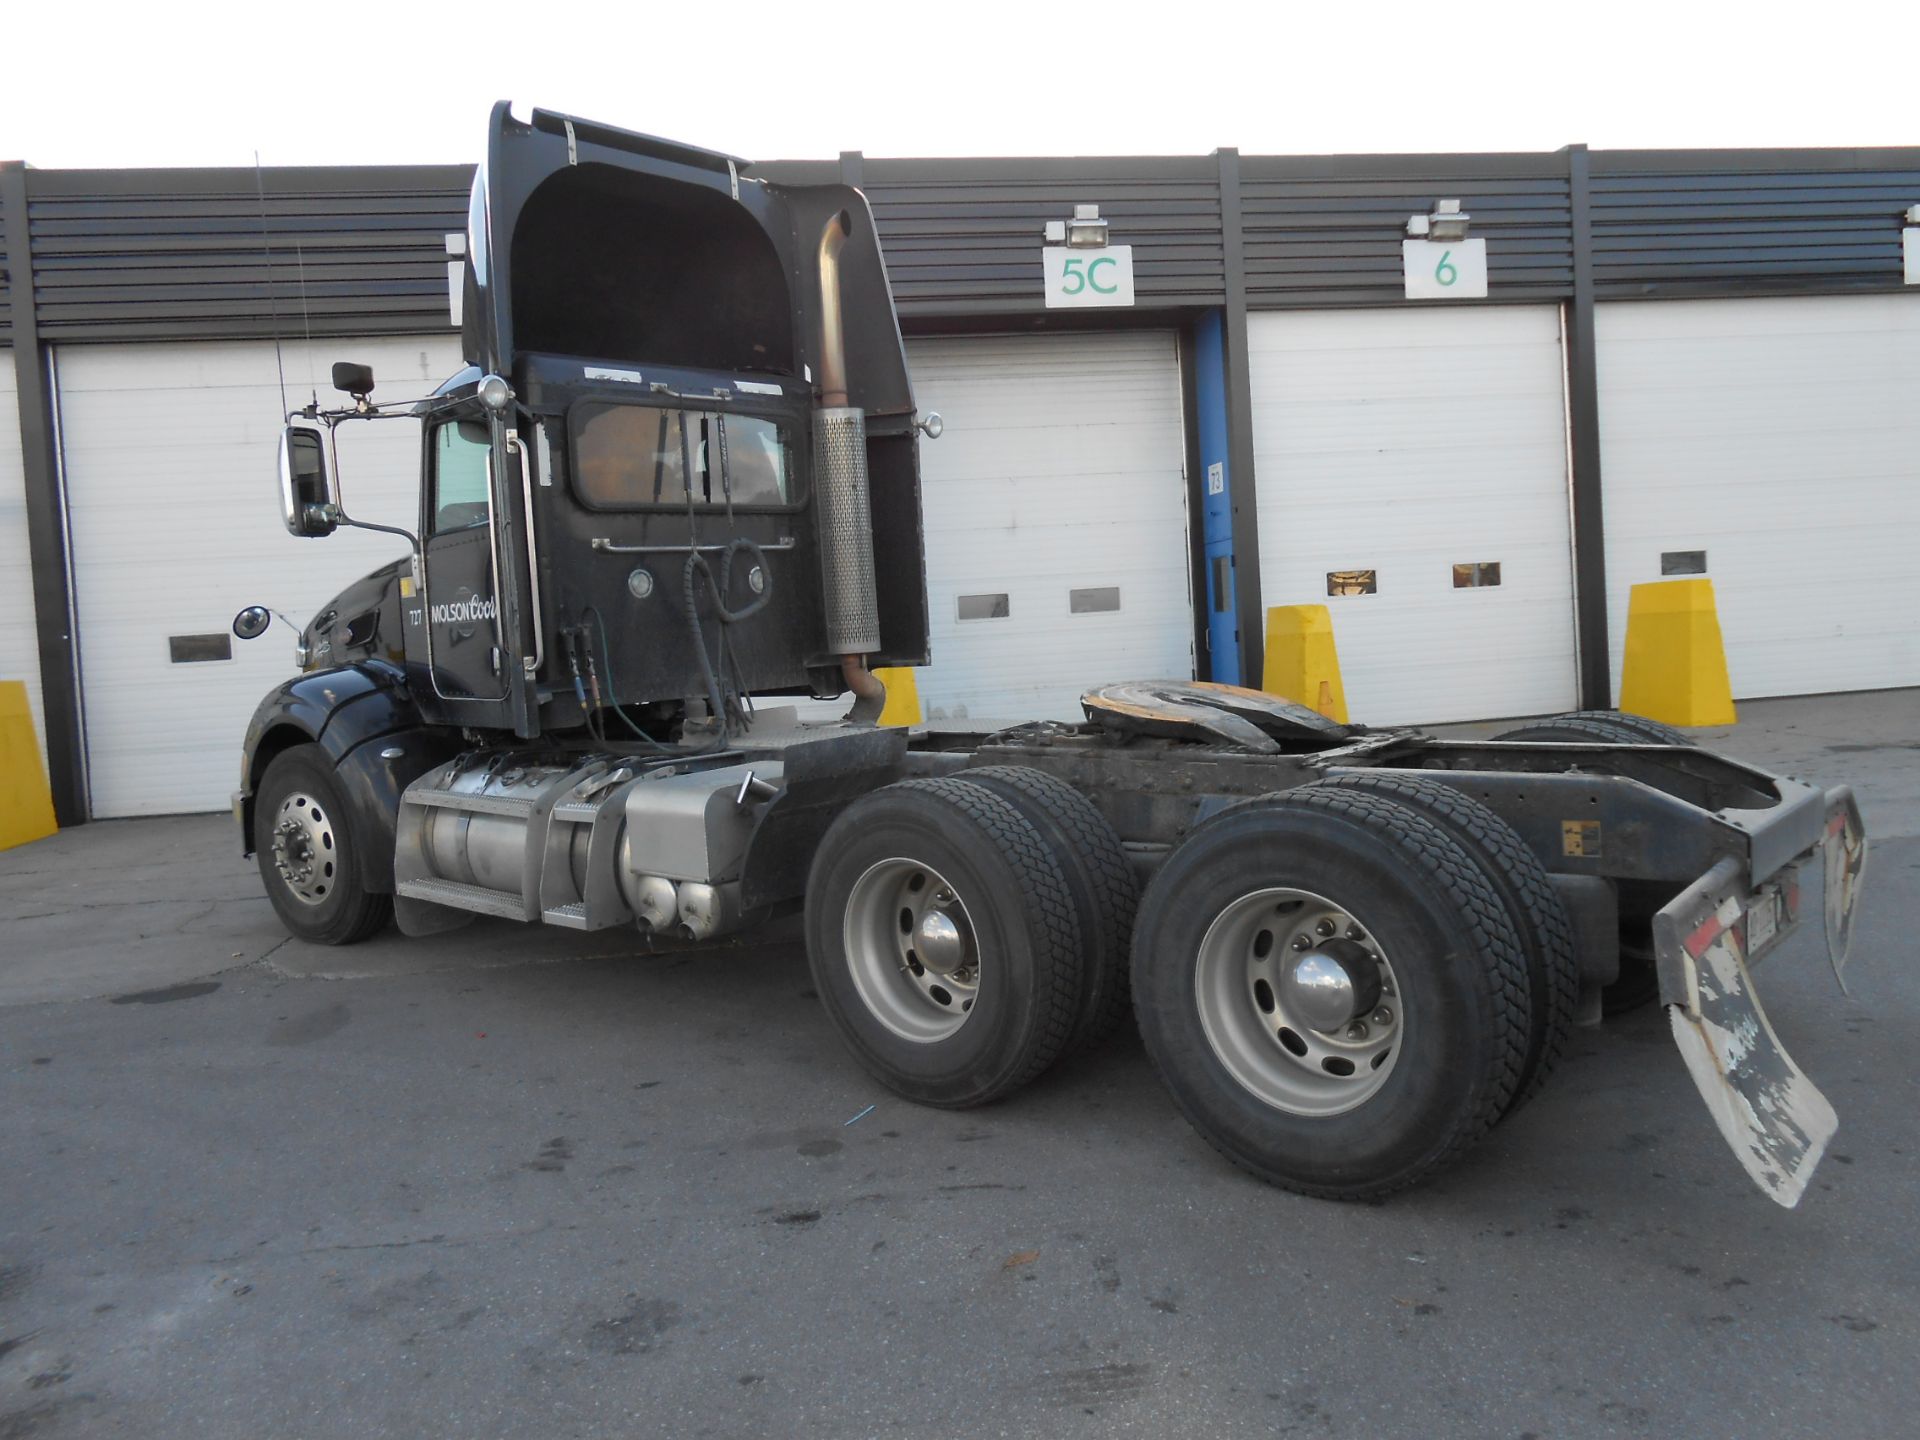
x=1332 y=990
x=944 y=941
x=1546 y=932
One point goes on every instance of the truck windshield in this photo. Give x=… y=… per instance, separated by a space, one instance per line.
x=639 y=456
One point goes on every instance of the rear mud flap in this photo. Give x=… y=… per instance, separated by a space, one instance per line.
x=1774 y=1118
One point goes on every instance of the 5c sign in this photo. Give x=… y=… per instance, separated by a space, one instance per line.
x=1082 y=279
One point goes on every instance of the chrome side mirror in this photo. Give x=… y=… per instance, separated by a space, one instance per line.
x=309 y=501
x=252 y=622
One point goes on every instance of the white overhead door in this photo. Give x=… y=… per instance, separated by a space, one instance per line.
x=1056 y=520
x=1414 y=451
x=1779 y=442
x=19 y=642
x=170 y=464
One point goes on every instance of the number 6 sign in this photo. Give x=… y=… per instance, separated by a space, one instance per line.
x=1077 y=279
x=1445 y=269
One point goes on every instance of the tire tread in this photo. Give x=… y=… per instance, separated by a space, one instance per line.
x=1553 y=964
x=1448 y=865
x=1102 y=863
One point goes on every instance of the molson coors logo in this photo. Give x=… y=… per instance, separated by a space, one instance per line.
x=463 y=612
x=467 y=610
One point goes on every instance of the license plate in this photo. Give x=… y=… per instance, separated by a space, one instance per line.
x=1763 y=922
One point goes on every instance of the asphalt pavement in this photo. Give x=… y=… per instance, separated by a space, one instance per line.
x=529 y=1183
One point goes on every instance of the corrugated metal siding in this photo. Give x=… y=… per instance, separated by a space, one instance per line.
x=1327 y=230
x=1807 y=221
x=184 y=254
x=6 y=287
x=963 y=237
x=176 y=254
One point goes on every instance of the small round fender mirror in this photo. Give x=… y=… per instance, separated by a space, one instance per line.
x=252 y=622
x=931 y=425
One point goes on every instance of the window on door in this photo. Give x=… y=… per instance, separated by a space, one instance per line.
x=460 y=475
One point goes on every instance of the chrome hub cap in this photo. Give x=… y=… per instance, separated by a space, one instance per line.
x=303 y=848
x=1298 y=1001
x=911 y=950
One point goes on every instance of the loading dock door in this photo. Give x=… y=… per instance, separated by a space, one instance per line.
x=1774 y=446
x=175 y=512
x=1056 y=520
x=1413 y=464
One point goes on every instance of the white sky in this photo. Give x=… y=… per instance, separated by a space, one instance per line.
x=210 y=83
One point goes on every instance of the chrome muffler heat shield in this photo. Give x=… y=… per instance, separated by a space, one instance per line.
x=846 y=529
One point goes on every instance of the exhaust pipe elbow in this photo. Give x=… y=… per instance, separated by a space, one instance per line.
x=869 y=691
x=833 y=345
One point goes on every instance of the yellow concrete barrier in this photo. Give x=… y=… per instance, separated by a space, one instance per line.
x=1676 y=665
x=26 y=804
x=903 y=696
x=1302 y=663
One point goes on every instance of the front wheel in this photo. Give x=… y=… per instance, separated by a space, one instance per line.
x=1332 y=991
x=304 y=841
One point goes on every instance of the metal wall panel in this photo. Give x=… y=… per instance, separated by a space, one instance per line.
x=1671 y=223
x=7 y=263
x=164 y=254
x=1326 y=231
x=19 y=641
x=190 y=254
x=963 y=237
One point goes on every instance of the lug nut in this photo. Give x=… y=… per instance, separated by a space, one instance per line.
x=1357 y=1030
x=1301 y=942
x=1354 y=932
x=1382 y=1016
x=1325 y=929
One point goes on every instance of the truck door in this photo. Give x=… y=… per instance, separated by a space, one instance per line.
x=456 y=631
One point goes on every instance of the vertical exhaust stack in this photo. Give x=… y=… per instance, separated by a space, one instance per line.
x=840 y=484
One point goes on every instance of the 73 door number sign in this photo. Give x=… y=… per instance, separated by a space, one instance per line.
x=1087 y=279
x=1445 y=269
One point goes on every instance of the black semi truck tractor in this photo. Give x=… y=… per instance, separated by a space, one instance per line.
x=680 y=471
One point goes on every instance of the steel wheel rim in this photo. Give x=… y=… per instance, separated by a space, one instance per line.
x=1258 y=1019
x=303 y=848
x=912 y=951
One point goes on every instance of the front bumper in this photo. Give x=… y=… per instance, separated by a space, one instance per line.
x=1705 y=941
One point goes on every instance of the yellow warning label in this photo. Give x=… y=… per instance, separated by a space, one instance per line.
x=406 y=587
x=1580 y=838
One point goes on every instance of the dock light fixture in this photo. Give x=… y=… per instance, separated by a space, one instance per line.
x=1448 y=222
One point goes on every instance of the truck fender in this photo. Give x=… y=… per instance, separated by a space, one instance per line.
x=345 y=710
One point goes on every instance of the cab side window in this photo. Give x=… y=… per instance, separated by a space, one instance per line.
x=460 y=475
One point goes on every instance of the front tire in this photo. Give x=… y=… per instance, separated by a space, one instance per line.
x=1332 y=991
x=304 y=841
x=943 y=942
